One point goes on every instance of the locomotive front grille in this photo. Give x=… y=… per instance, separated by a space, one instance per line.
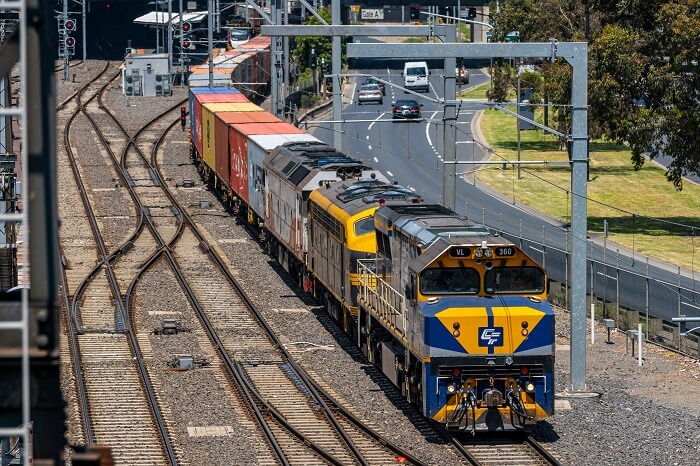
x=492 y=370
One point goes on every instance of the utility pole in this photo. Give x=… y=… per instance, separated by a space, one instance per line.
x=449 y=170
x=336 y=65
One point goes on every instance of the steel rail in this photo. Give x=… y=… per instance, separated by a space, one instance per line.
x=74 y=326
x=145 y=379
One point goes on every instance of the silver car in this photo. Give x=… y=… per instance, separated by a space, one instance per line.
x=462 y=75
x=370 y=93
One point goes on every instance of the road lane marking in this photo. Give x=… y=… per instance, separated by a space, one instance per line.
x=375 y=120
x=427 y=134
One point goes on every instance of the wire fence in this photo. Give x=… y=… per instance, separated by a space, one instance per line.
x=624 y=285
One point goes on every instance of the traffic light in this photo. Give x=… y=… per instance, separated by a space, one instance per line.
x=471 y=14
x=183 y=118
x=415 y=12
x=313 y=59
x=69 y=25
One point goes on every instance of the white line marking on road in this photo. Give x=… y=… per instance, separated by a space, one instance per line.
x=375 y=120
x=376 y=160
x=427 y=133
x=434 y=91
x=465 y=142
x=389 y=173
x=352 y=96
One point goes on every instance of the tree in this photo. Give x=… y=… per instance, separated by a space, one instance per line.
x=643 y=71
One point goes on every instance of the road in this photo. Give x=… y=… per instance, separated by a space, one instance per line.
x=410 y=152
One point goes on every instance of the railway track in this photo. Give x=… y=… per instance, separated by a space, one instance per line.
x=500 y=448
x=118 y=401
x=300 y=421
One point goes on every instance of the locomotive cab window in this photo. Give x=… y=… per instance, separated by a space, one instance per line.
x=449 y=280
x=514 y=280
x=364 y=226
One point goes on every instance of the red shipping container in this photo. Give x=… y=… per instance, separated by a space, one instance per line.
x=238 y=147
x=206 y=98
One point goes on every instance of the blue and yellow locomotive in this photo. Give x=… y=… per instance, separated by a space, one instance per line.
x=457 y=318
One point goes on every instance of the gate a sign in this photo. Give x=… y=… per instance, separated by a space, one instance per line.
x=372 y=13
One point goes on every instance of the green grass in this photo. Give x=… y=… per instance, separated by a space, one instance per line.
x=630 y=200
x=479 y=92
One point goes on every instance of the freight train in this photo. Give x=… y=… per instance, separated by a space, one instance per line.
x=454 y=315
x=245 y=68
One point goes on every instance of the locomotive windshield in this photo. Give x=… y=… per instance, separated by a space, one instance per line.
x=449 y=280
x=364 y=226
x=514 y=280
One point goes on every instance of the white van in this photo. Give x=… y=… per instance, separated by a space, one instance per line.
x=415 y=76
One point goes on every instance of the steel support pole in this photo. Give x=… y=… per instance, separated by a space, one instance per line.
x=210 y=41
x=336 y=65
x=66 y=58
x=170 y=37
x=579 y=223
x=275 y=61
x=182 y=35
x=84 y=35
x=285 y=46
x=449 y=170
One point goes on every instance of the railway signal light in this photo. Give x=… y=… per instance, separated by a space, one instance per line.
x=415 y=12
x=69 y=25
x=183 y=118
x=325 y=66
x=186 y=27
x=471 y=13
x=313 y=59
x=69 y=41
x=186 y=43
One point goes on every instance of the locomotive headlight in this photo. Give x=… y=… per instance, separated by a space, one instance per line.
x=509 y=360
x=529 y=387
x=451 y=388
x=488 y=252
x=524 y=332
x=479 y=253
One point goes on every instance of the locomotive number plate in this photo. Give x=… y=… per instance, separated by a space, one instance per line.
x=505 y=251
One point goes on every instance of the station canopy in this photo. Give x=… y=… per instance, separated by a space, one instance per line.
x=157 y=18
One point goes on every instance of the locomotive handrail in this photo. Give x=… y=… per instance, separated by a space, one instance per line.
x=385 y=300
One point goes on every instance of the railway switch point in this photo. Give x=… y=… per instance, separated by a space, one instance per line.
x=609 y=324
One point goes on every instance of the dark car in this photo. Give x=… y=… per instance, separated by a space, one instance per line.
x=377 y=82
x=406 y=109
